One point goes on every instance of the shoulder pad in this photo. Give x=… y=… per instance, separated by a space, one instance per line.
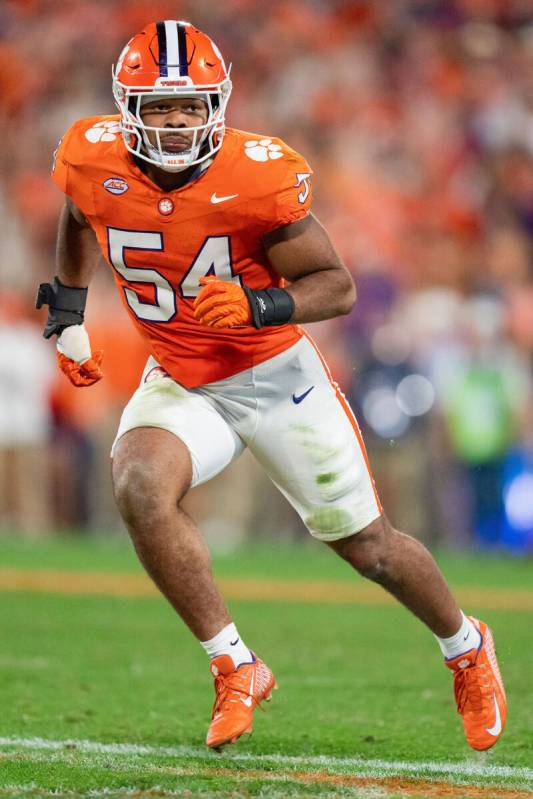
x=262 y=149
x=75 y=145
x=275 y=178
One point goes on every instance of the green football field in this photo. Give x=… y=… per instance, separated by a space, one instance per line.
x=104 y=693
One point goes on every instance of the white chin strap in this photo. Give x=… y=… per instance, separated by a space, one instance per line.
x=164 y=162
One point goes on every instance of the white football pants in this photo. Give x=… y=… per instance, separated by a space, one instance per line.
x=292 y=417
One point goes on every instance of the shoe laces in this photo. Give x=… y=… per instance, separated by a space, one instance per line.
x=472 y=688
x=225 y=686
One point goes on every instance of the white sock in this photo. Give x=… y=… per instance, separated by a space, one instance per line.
x=228 y=642
x=467 y=637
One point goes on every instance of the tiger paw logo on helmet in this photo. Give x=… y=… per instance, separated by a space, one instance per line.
x=263 y=150
x=103 y=131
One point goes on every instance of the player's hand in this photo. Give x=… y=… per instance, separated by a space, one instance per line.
x=221 y=304
x=75 y=358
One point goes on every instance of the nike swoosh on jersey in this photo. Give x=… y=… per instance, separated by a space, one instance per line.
x=299 y=399
x=497 y=727
x=215 y=199
x=249 y=699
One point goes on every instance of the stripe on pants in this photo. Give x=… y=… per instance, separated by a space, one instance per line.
x=349 y=413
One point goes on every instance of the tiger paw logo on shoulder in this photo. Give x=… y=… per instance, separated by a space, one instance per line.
x=263 y=150
x=103 y=131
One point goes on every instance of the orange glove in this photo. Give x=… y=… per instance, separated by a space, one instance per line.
x=82 y=374
x=221 y=304
x=75 y=359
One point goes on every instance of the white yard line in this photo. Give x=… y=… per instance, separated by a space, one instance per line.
x=475 y=766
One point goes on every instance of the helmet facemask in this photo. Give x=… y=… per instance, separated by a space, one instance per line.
x=206 y=139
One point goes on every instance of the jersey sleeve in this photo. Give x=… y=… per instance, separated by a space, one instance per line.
x=290 y=195
x=69 y=170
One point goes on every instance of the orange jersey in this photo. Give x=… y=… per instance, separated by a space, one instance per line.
x=159 y=243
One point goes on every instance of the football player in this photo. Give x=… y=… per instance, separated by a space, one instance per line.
x=218 y=260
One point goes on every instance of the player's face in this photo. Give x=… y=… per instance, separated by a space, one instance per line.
x=174 y=116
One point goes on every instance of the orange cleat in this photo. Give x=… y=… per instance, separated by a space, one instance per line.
x=237 y=693
x=479 y=691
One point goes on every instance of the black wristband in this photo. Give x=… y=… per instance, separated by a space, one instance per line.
x=269 y=306
x=66 y=306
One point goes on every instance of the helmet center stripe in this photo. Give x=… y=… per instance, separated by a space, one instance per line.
x=162 y=42
x=173 y=51
x=182 y=47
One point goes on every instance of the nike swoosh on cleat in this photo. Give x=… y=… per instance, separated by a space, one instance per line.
x=215 y=199
x=249 y=699
x=234 y=643
x=497 y=727
x=297 y=400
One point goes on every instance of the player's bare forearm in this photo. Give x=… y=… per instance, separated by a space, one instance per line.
x=77 y=259
x=322 y=295
x=321 y=285
x=78 y=253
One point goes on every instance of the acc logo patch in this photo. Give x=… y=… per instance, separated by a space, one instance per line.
x=115 y=185
x=103 y=131
x=262 y=150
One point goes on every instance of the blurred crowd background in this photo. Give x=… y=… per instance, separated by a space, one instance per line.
x=417 y=117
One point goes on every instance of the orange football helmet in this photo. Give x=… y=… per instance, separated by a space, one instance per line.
x=171 y=59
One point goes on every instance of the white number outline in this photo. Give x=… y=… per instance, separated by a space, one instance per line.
x=130 y=294
x=232 y=278
x=132 y=298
